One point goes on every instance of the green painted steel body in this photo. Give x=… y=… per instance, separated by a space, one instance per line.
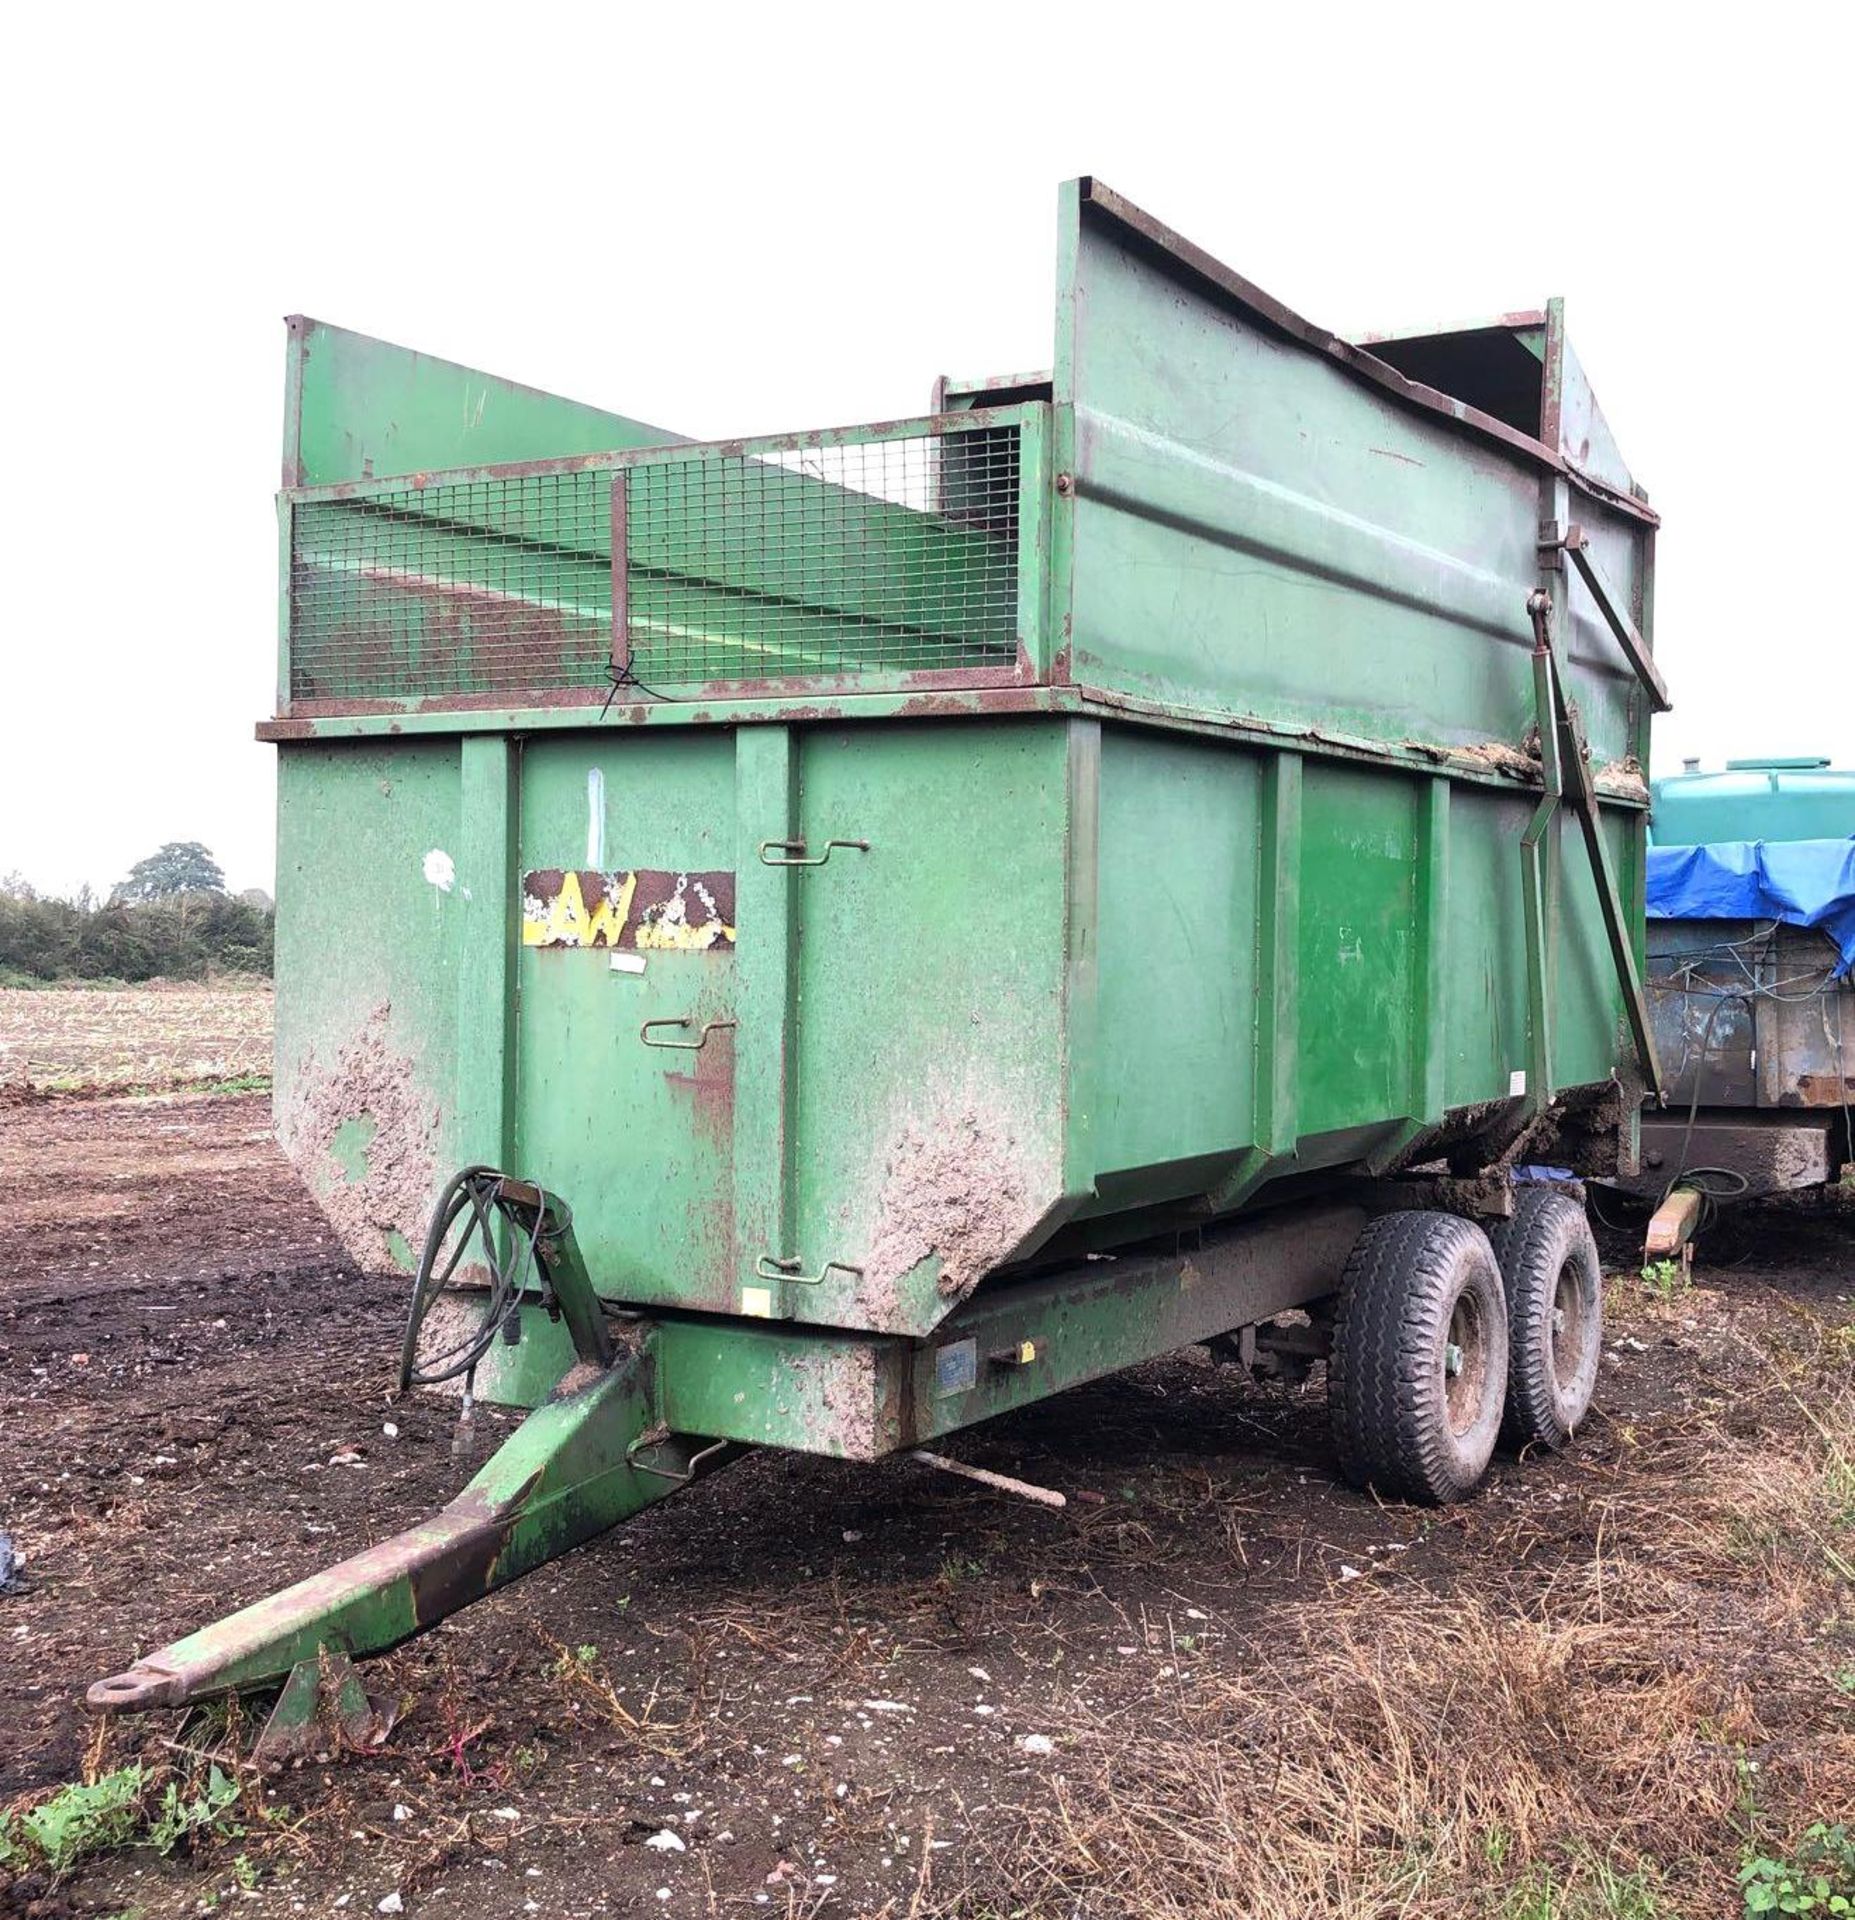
x=1217 y=886
x=869 y=874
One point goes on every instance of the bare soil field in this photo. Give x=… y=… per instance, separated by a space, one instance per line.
x=1217 y=1684
x=156 y=1037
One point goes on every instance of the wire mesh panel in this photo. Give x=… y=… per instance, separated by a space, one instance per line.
x=878 y=557
x=478 y=587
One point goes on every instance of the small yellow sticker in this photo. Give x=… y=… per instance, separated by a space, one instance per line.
x=757 y=1301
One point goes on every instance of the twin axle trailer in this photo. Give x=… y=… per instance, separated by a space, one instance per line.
x=816 y=941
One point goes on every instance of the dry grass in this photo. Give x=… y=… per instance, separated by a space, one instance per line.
x=1597 y=1734
x=154 y=1038
x=1602 y=1741
x=1581 y=1697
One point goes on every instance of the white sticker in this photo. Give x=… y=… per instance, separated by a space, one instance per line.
x=757 y=1301
x=627 y=963
x=441 y=870
x=1516 y=1083
x=595 y=817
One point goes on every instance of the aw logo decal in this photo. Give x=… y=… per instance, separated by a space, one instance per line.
x=645 y=910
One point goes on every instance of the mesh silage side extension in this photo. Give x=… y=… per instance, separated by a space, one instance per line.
x=880 y=557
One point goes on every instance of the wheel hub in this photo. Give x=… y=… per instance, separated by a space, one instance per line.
x=1569 y=1332
x=1465 y=1363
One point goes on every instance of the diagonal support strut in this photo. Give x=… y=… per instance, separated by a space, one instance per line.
x=1567 y=766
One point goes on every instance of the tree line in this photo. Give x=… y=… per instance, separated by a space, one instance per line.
x=171 y=918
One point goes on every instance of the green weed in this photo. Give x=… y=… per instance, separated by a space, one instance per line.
x=114 y=1812
x=1595 y=1890
x=75 y=1821
x=1818 y=1878
x=179 y=1817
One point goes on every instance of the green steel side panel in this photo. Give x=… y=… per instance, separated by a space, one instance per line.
x=1358 y=934
x=1577 y=428
x=367 y=1045
x=1180 y=821
x=932 y=1068
x=1305 y=962
x=1078 y=971
x=1484 y=1018
x=359 y=409
x=1259 y=531
x=783 y=1386
x=636 y=1137
x=1589 y=1034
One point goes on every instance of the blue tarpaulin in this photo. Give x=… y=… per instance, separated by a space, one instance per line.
x=1809 y=883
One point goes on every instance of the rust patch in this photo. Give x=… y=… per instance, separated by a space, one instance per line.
x=709 y=1085
x=968 y=677
x=464 y=1569
x=390 y=1191
x=1006 y=697
x=957 y=1187
x=1824 y=1089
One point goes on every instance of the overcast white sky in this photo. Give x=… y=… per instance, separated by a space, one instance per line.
x=791 y=216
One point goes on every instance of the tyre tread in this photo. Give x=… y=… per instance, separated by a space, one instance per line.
x=1526 y=1245
x=1382 y=1385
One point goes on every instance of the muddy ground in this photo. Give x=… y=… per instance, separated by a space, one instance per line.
x=1217 y=1683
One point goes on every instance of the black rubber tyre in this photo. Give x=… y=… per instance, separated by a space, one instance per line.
x=1555 y=1316
x=1419 y=1364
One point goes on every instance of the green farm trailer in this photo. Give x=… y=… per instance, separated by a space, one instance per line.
x=816 y=941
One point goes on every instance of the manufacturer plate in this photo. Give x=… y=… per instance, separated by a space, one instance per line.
x=956 y=1368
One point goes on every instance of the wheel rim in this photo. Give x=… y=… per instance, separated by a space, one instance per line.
x=1465 y=1363
x=1569 y=1331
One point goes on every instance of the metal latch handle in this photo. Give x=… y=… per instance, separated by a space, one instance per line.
x=791 y=853
x=685 y=1022
x=695 y=1458
x=769 y=1268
